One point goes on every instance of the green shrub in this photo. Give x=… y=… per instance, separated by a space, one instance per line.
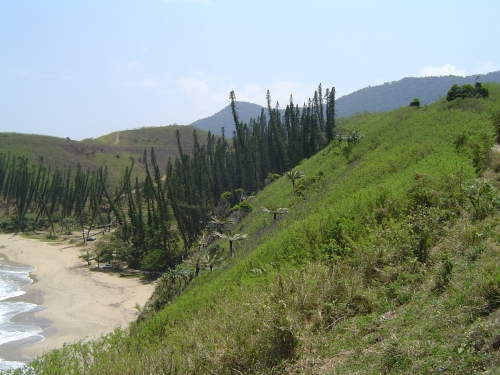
x=467 y=91
x=483 y=197
x=242 y=206
x=415 y=103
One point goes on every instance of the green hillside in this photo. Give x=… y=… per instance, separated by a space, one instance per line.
x=387 y=262
x=113 y=150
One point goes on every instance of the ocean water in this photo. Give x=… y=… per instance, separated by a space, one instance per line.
x=13 y=278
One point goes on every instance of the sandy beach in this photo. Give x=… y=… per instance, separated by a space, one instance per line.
x=80 y=303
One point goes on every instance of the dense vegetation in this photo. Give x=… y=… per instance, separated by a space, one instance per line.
x=201 y=184
x=114 y=150
x=33 y=196
x=382 y=260
x=196 y=190
x=466 y=91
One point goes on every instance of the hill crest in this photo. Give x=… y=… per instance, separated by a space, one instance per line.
x=380 y=98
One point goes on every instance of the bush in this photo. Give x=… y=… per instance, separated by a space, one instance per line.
x=271 y=177
x=466 y=91
x=483 y=198
x=495 y=119
x=415 y=103
x=243 y=206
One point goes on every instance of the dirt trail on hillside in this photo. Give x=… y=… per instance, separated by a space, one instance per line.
x=117 y=140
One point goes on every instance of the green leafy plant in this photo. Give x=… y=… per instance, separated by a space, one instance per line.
x=293 y=176
x=275 y=210
x=232 y=237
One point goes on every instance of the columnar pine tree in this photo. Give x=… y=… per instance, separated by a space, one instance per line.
x=330 y=115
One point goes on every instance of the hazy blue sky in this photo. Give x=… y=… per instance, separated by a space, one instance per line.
x=86 y=68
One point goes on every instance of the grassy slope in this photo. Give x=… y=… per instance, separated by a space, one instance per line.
x=92 y=153
x=382 y=266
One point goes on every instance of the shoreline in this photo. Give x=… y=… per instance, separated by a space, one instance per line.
x=14 y=350
x=79 y=303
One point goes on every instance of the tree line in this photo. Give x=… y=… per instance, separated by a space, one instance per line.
x=34 y=195
x=160 y=218
x=216 y=176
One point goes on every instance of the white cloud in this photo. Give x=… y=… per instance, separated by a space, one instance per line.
x=145 y=83
x=445 y=70
x=483 y=68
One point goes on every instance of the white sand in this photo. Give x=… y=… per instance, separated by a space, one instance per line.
x=81 y=303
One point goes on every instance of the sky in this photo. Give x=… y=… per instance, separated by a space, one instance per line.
x=86 y=68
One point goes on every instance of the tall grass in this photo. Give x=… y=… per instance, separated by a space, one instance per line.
x=386 y=263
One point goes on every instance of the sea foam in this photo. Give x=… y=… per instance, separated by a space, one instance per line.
x=12 y=279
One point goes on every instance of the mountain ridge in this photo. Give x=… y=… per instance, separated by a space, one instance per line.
x=379 y=98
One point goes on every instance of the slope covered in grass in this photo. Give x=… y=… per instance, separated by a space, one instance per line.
x=387 y=262
x=113 y=151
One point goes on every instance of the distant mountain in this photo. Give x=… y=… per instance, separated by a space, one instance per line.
x=396 y=94
x=224 y=118
x=380 y=98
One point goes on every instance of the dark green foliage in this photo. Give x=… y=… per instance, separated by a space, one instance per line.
x=495 y=119
x=153 y=261
x=149 y=227
x=415 y=103
x=462 y=92
x=244 y=206
x=480 y=91
x=466 y=91
x=262 y=150
x=330 y=114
